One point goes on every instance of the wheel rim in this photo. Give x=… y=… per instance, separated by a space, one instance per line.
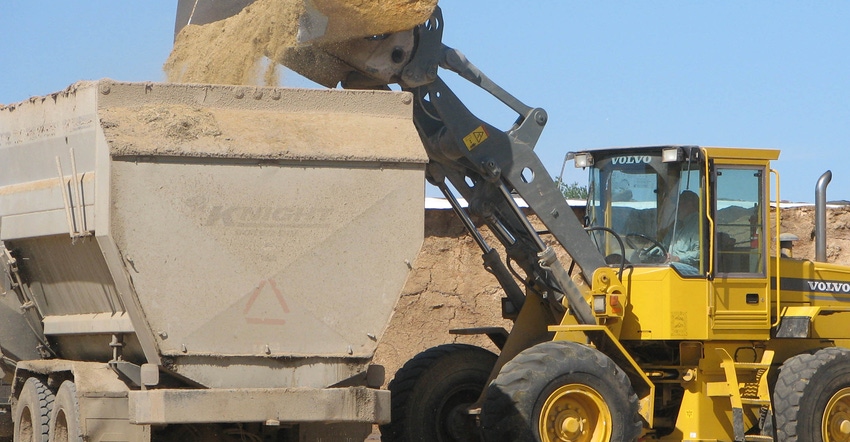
x=575 y=413
x=61 y=427
x=836 y=417
x=25 y=429
x=453 y=423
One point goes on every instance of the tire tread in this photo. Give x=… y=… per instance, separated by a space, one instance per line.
x=516 y=381
x=795 y=376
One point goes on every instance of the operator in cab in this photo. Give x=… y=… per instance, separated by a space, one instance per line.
x=685 y=239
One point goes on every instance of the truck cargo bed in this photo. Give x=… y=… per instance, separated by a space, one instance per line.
x=238 y=237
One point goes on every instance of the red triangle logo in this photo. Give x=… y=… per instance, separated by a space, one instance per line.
x=263 y=291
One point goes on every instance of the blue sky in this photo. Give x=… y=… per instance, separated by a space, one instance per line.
x=752 y=74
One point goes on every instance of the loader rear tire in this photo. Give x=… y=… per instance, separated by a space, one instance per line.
x=561 y=391
x=431 y=392
x=812 y=397
x=65 y=418
x=32 y=412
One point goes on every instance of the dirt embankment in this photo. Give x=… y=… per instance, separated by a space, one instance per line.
x=801 y=222
x=449 y=288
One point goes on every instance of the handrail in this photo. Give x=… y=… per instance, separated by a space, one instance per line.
x=778 y=252
x=710 y=270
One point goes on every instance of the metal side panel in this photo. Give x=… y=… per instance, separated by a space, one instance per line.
x=126 y=292
x=17 y=340
x=43 y=141
x=299 y=259
x=66 y=276
x=329 y=405
x=36 y=209
x=86 y=324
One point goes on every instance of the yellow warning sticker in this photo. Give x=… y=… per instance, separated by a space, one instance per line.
x=476 y=137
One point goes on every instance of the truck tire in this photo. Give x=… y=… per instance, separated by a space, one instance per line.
x=430 y=394
x=65 y=417
x=812 y=397
x=32 y=412
x=561 y=391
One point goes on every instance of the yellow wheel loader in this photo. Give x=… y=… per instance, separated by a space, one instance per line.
x=677 y=318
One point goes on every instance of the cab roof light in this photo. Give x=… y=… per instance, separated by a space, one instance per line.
x=672 y=155
x=583 y=160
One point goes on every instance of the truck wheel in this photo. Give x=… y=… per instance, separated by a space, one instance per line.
x=812 y=397
x=431 y=392
x=65 y=418
x=32 y=412
x=561 y=391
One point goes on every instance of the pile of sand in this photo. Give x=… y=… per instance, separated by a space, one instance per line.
x=248 y=47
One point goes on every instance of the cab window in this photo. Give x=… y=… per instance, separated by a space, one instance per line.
x=739 y=209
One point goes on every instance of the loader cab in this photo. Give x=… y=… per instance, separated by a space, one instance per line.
x=689 y=224
x=646 y=206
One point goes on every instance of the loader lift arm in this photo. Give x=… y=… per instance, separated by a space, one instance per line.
x=487 y=166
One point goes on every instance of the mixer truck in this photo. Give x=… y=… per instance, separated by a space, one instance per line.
x=198 y=262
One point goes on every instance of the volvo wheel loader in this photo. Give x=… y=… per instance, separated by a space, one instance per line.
x=677 y=318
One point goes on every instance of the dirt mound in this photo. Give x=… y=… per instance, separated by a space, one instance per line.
x=801 y=222
x=450 y=289
x=447 y=289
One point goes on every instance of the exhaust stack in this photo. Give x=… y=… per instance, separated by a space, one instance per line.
x=820 y=216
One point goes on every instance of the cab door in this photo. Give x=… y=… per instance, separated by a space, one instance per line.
x=740 y=306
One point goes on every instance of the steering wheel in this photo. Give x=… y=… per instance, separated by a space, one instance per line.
x=648 y=249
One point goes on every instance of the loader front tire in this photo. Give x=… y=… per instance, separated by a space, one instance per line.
x=812 y=397
x=561 y=391
x=32 y=412
x=432 y=391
